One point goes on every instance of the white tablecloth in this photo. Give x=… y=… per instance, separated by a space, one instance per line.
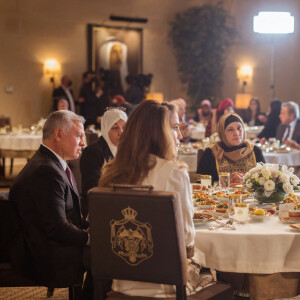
x=256 y=247
x=291 y=159
x=20 y=142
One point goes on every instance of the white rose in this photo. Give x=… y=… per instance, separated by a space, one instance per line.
x=284 y=168
x=261 y=180
x=291 y=170
x=294 y=180
x=288 y=188
x=255 y=175
x=269 y=185
x=284 y=178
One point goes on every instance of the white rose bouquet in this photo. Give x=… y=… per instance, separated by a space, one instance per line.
x=267 y=179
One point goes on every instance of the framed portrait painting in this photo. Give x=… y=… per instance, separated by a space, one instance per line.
x=116 y=50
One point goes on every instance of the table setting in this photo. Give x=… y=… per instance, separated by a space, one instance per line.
x=257 y=231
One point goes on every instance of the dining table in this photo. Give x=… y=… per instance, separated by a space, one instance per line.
x=265 y=251
x=289 y=158
x=18 y=146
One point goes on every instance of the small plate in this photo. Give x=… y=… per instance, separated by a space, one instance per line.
x=259 y=218
x=205 y=206
x=222 y=199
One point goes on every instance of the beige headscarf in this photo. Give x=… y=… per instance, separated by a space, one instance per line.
x=234 y=155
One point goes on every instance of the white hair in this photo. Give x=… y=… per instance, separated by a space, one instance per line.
x=62 y=119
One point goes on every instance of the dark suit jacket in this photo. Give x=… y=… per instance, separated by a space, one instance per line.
x=59 y=93
x=296 y=134
x=91 y=162
x=50 y=241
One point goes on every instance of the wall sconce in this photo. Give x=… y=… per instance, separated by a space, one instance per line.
x=159 y=97
x=52 y=68
x=244 y=73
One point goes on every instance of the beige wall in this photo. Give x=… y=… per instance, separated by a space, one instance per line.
x=33 y=31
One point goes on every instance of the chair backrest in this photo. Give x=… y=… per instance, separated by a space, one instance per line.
x=199 y=155
x=137 y=235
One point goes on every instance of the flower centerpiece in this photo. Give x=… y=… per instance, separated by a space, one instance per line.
x=270 y=182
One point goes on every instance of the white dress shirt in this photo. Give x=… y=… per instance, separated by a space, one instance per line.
x=292 y=128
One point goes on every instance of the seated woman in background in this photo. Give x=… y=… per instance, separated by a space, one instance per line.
x=272 y=121
x=147 y=156
x=253 y=113
x=232 y=154
x=95 y=155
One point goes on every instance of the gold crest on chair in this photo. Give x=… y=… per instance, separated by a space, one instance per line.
x=131 y=240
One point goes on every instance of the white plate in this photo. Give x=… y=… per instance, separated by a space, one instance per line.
x=222 y=200
x=205 y=206
x=259 y=218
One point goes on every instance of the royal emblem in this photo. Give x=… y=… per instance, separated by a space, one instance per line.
x=131 y=240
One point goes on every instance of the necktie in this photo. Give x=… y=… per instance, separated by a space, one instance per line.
x=287 y=134
x=69 y=174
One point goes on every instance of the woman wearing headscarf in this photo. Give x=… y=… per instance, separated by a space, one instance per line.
x=95 y=155
x=272 y=122
x=226 y=106
x=232 y=153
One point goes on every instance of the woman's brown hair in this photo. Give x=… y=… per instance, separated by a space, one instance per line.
x=147 y=132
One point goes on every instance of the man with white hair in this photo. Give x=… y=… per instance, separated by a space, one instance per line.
x=50 y=241
x=183 y=126
x=289 y=129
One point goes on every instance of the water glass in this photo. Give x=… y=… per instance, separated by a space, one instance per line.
x=241 y=212
x=224 y=179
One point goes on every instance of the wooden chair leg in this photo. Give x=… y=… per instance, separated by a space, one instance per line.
x=180 y=292
x=11 y=166
x=50 y=292
x=3 y=165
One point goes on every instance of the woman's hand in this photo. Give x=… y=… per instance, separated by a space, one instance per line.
x=236 y=177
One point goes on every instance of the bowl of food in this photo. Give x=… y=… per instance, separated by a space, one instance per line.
x=259 y=214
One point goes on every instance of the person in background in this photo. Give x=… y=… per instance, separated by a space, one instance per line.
x=120 y=101
x=88 y=100
x=51 y=238
x=272 y=121
x=147 y=156
x=253 y=113
x=183 y=125
x=204 y=115
x=225 y=106
x=95 y=155
x=62 y=104
x=232 y=154
x=64 y=91
x=289 y=129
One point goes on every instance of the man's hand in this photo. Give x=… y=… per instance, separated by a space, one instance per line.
x=293 y=144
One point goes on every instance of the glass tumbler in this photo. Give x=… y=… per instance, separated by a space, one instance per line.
x=224 y=179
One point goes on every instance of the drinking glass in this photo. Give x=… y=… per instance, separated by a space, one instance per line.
x=233 y=199
x=241 y=212
x=224 y=179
